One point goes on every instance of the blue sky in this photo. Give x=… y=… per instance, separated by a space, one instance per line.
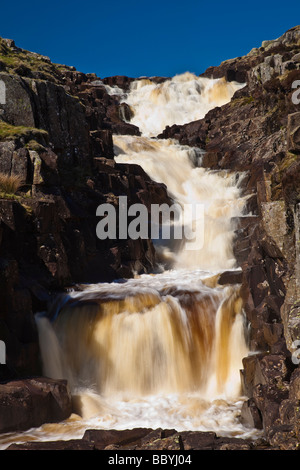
x=144 y=38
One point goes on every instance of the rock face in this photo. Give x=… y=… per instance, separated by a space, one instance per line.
x=65 y=119
x=32 y=402
x=56 y=127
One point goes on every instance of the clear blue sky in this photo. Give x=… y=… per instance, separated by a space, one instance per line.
x=151 y=37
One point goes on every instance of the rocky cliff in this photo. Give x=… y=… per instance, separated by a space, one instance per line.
x=56 y=118
x=56 y=128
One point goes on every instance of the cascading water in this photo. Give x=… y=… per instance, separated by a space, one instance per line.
x=161 y=350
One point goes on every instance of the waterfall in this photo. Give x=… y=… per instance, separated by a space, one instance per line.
x=179 y=100
x=143 y=341
x=161 y=350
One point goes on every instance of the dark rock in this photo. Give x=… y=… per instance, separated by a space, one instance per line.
x=119 y=81
x=102 y=438
x=102 y=143
x=146 y=439
x=251 y=374
x=198 y=440
x=250 y=415
x=290 y=412
x=284 y=438
x=230 y=277
x=294 y=389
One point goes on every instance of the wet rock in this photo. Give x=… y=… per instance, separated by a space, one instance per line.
x=198 y=440
x=290 y=413
x=251 y=374
x=102 y=143
x=101 y=439
x=72 y=444
x=250 y=415
x=32 y=402
x=274 y=369
x=145 y=439
x=230 y=277
x=119 y=81
x=268 y=398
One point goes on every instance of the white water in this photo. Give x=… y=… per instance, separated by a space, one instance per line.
x=217 y=192
x=179 y=100
x=160 y=350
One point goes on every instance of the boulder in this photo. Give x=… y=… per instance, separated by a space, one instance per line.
x=101 y=439
x=250 y=415
x=230 y=277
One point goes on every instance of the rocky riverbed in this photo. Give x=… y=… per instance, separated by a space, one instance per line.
x=56 y=118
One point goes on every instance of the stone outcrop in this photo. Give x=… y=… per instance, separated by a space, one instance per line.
x=31 y=402
x=56 y=128
x=146 y=439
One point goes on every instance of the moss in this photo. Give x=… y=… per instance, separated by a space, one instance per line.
x=34 y=145
x=8 y=132
x=4 y=195
x=28 y=208
x=242 y=101
x=28 y=64
x=248 y=99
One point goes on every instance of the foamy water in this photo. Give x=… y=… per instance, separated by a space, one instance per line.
x=178 y=100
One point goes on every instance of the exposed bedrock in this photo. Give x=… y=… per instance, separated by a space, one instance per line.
x=66 y=119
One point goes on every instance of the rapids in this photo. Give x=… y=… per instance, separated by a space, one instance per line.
x=158 y=350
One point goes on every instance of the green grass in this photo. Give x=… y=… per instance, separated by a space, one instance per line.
x=8 y=132
x=25 y=63
x=10 y=184
x=34 y=145
x=244 y=100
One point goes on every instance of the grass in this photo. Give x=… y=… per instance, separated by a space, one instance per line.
x=10 y=184
x=26 y=63
x=34 y=145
